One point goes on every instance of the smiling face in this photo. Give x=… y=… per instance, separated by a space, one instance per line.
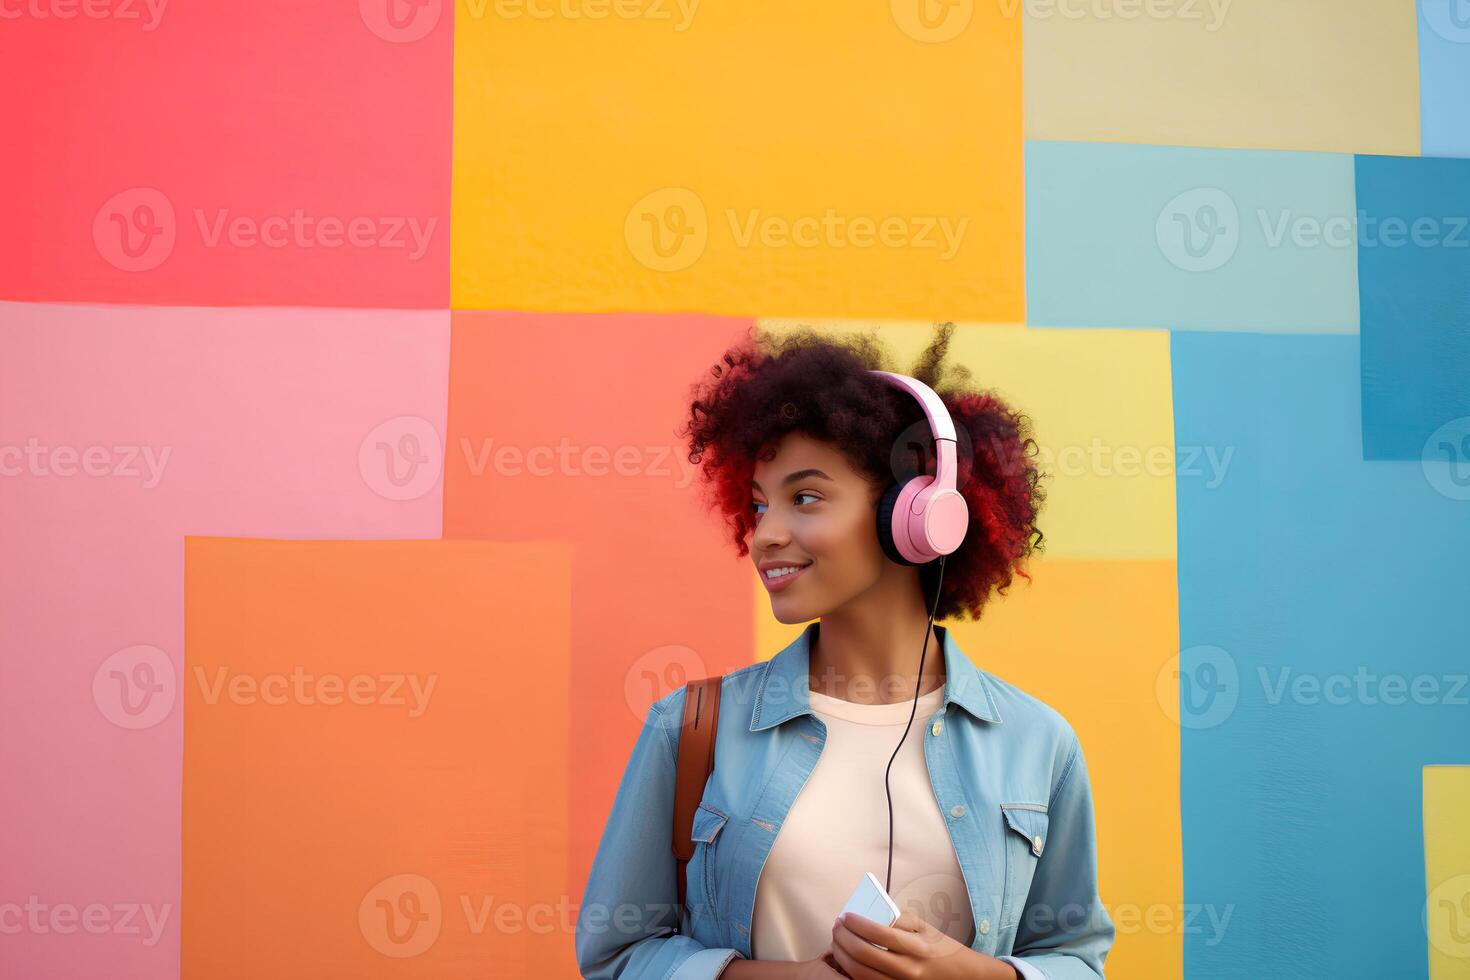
x=813 y=510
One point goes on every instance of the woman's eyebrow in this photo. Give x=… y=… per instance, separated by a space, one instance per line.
x=798 y=475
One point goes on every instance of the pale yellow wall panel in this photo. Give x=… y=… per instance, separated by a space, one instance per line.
x=1447 y=870
x=1102 y=409
x=1329 y=75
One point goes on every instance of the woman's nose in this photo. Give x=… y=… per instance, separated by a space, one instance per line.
x=770 y=532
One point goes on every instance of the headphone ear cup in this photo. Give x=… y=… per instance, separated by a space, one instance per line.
x=885 y=524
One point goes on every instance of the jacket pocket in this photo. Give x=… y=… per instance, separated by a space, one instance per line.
x=709 y=820
x=1025 y=833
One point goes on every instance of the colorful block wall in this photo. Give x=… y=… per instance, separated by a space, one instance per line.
x=320 y=651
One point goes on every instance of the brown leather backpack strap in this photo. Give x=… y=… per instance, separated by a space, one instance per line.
x=696 y=761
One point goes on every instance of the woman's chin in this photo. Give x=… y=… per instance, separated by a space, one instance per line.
x=788 y=613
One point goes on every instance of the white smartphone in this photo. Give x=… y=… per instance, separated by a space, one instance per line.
x=871 y=902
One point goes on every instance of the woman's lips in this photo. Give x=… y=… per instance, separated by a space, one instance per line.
x=777 y=584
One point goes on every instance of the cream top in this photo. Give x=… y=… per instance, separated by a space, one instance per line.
x=837 y=829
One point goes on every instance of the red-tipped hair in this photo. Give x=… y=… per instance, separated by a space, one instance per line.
x=819 y=384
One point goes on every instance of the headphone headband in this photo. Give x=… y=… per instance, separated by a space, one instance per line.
x=924 y=517
x=939 y=421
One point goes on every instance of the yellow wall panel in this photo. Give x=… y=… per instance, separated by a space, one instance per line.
x=1089 y=638
x=755 y=158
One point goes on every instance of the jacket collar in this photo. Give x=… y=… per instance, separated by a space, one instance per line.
x=782 y=692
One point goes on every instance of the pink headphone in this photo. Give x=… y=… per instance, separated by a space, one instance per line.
x=924 y=517
x=918 y=521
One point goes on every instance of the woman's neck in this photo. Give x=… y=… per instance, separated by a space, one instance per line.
x=874 y=659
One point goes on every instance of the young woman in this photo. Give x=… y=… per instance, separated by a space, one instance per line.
x=993 y=854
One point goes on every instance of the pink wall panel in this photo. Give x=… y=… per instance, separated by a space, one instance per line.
x=122 y=430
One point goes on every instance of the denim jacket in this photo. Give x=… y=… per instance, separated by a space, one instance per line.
x=1007 y=772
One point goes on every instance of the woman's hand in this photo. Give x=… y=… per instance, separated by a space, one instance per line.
x=821 y=968
x=824 y=967
x=915 y=950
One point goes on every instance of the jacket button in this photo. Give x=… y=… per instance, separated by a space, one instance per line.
x=936 y=727
x=984 y=926
x=958 y=810
x=1036 y=844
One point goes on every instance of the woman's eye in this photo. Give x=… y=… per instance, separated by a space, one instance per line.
x=756 y=505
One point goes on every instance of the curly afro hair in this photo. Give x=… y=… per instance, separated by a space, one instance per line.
x=802 y=380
